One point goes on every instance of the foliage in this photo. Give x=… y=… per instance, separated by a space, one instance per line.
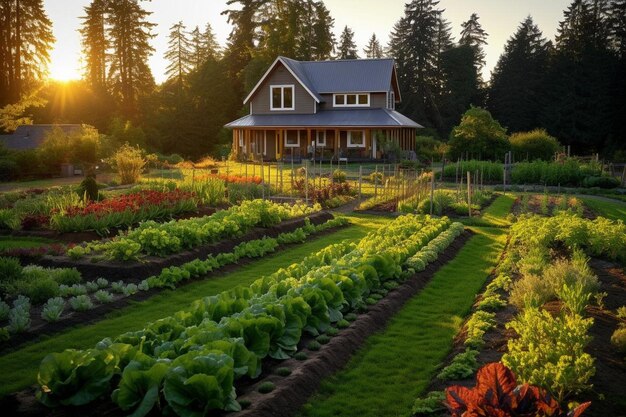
x=536 y=144
x=266 y=387
x=618 y=339
x=432 y=403
x=462 y=366
x=568 y=172
x=478 y=134
x=129 y=163
x=549 y=351
x=497 y=394
x=53 y=309
x=339 y=176
x=81 y=303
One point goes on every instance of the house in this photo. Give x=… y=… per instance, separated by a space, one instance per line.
x=330 y=109
x=31 y=136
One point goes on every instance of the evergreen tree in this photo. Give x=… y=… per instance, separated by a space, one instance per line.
x=130 y=36
x=617 y=26
x=413 y=44
x=203 y=45
x=324 y=45
x=373 y=48
x=578 y=107
x=95 y=44
x=179 y=55
x=459 y=86
x=347 y=48
x=474 y=35
x=518 y=80
x=25 y=42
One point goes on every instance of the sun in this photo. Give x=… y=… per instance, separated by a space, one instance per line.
x=60 y=71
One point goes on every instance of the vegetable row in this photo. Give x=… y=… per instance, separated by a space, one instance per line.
x=162 y=239
x=188 y=362
x=61 y=286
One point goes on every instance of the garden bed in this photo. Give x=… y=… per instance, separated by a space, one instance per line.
x=291 y=392
x=41 y=327
x=151 y=265
x=79 y=237
x=607 y=396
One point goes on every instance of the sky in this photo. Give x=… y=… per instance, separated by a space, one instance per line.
x=500 y=18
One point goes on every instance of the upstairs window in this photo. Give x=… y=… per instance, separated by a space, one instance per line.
x=391 y=97
x=281 y=97
x=352 y=100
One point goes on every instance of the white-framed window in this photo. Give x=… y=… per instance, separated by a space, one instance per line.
x=320 y=137
x=351 y=100
x=282 y=97
x=356 y=139
x=391 y=97
x=292 y=139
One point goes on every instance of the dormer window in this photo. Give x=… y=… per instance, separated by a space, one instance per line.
x=281 y=97
x=391 y=100
x=351 y=100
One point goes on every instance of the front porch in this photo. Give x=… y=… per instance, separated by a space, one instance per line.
x=286 y=144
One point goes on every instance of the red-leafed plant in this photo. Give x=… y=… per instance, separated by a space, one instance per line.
x=497 y=394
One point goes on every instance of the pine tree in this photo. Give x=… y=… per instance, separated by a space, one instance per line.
x=95 y=43
x=413 y=44
x=474 y=35
x=25 y=42
x=203 y=45
x=578 y=108
x=617 y=26
x=518 y=79
x=324 y=44
x=373 y=48
x=347 y=48
x=179 y=55
x=130 y=36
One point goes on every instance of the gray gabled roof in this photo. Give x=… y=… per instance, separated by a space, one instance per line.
x=374 y=118
x=340 y=76
x=31 y=136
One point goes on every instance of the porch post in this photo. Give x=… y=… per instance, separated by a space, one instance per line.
x=235 y=147
x=368 y=138
x=336 y=144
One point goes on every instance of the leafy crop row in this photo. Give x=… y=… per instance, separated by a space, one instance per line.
x=191 y=359
x=162 y=239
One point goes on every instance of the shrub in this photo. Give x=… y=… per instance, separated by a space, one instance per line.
x=536 y=144
x=8 y=168
x=38 y=289
x=601 y=182
x=129 y=162
x=88 y=189
x=4 y=310
x=478 y=134
x=66 y=276
x=339 y=176
x=491 y=171
x=10 y=271
x=53 y=309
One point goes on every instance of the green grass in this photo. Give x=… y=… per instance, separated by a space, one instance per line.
x=495 y=214
x=20 y=367
x=386 y=376
x=12 y=242
x=608 y=209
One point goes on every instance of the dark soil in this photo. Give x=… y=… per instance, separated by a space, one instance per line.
x=40 y=327
x=608 y=396
x=152 y=265
x=291 y=392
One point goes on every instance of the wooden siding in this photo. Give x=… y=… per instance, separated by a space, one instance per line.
x=304 y=103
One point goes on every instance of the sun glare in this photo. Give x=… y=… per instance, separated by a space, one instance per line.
x=64 y=73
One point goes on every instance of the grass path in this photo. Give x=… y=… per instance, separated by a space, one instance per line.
x=19 y=368
x=386 y=376
x=613 y=210
x=494 y=215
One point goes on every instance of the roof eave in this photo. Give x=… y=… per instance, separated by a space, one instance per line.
x=269 y=70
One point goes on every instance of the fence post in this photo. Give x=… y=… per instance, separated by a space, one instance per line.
x=432 y=191
x=360 y=180
x=376 y=183
x=262 y=179
x=306 y=181
x=469 y=194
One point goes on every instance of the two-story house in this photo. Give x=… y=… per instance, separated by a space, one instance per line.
x=338 y=109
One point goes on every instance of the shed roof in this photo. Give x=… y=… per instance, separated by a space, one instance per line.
x=31 y=136
x=337 y=118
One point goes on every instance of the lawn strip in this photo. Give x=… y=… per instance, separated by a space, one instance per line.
x=395 y=366
x=494 y=215
x=20 y=367
x=609 y=209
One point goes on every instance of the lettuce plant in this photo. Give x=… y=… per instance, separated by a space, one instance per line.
x=53 y=309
